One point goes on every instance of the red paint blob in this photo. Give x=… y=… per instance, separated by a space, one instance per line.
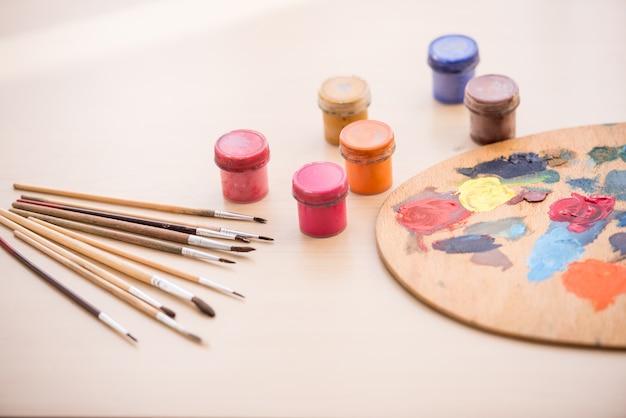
x=581 y=211
x=595 y=280
x=429 y=215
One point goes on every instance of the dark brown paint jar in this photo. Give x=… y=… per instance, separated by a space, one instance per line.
x=492 y=100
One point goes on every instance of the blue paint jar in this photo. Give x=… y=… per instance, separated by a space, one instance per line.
x=453 y=59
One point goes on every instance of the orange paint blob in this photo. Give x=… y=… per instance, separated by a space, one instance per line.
x=596 y=280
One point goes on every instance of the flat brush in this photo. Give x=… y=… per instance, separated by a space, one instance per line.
x=112 y=278
x=61 y=255
x=149 y=231
x=139 y=220
x=204 y=231
x=137 y=258
x=111 y=260
x=67 y=292
x=122 y=236
x=212 y=213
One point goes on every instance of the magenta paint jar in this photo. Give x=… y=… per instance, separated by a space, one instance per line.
x=242 y=157
x=321 y=189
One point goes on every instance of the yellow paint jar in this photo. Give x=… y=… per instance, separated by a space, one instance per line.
x=367 y=147
x=343 y=100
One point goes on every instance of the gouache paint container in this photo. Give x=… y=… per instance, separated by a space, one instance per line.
x=453 y=59
x=343 y=100
x=242 y=156
x=367 y=147
x=320 y=189
x=492 y=101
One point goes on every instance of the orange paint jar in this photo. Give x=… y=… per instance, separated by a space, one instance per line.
x=367 y=147
x=343 y=100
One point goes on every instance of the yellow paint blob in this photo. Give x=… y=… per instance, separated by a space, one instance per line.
x=484 y=194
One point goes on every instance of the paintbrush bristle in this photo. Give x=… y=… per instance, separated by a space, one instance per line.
x=242 y=249
x=239 y=294
x=226 y=260
x=168 y=312
x=131 y=337
x=203 y=306
x=266 y=238
x=260 y=220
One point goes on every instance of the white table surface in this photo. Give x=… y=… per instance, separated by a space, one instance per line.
x=126 y=99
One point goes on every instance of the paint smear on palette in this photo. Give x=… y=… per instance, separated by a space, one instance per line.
x=597 y=281
x=618 y=242
x=558 y=157
x=615 y=184
x=482 y=247
x=484 y=194
x=428 y=213
x=621 y=219
x=558 y=248
x=581 y=212
x=585 y=184
x=516 y=165
x=530 y=196
x=602 y=154
x=510 y=228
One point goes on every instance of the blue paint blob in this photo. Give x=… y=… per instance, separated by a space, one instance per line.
x=552 y=252
x=615 y=184
x=466 y=244
x=601 y=155
x=559 y=247
x=618 y=242
x=621 y=218
x=509 y=228
x=516 y=165
x=585 y=184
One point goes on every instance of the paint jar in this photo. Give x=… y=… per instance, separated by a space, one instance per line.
x=453 y=59
x=491 y=100
x=366 y=147
x=242 y=156
x=343 y=100
x=320 y=189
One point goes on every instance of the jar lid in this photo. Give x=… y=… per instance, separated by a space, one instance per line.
x=453 y=54
x=319 y=183
x=344 y=95
x=492 y=93
x=366 y=141
x=242 y=149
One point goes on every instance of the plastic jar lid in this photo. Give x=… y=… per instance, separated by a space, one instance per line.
x=453 y=54
x=344 y=95
x=320 y=183
x=492 y=94
x=241 y=150
x=366 y=141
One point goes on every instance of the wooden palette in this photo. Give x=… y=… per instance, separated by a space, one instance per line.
x=524 y=237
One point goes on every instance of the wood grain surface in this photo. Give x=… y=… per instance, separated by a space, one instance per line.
x=537 y=269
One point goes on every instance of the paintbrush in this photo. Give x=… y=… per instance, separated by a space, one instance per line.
x=67 y=292
x=212 y=213
x=150 y=231
x=122 y=236
x=60 y=228
x=204 y=230
x=66 y=257
x=111 y=260
x=112 y=278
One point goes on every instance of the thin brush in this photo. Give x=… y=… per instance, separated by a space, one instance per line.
x=111 y=260
x=149 y=231
x=67 y=292
x=136 y=219
x=134 y=257
x=112 y=278
x=122 y=236
x=212 y=213
x=61 y=255
x=202 y=230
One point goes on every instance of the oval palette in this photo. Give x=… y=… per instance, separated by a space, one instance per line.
x=525 y=237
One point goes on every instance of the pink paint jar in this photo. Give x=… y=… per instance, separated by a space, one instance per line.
x=321 y=189
x=242 y=157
